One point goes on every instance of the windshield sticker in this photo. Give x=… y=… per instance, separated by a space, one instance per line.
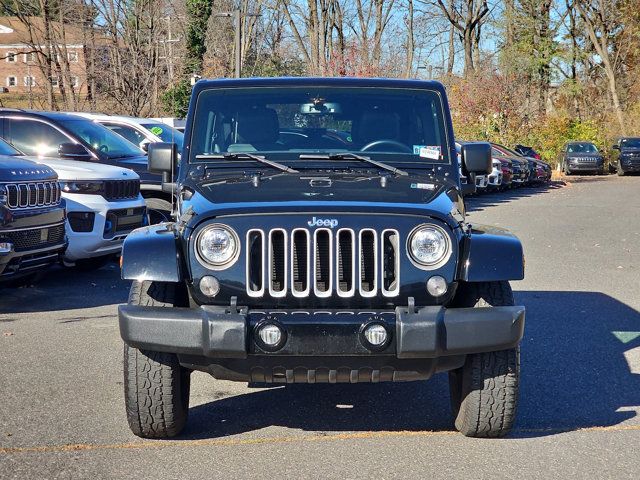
x=423 y=186
x=430 y=152
x=156 y=130
x=416 y=149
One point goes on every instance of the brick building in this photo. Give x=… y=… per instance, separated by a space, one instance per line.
x=23 y=56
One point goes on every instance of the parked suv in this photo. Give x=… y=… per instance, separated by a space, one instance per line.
x=103 y=205
x=32 y=234
x=626 y=156
x=327 y=262
x=70 y=137
x=139 y=131
x=581 y=157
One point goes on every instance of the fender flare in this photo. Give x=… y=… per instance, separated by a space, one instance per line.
x=151 y=253
x=491 y=254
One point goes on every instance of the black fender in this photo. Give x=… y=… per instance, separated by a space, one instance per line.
x=151 y=253
x=491 y=254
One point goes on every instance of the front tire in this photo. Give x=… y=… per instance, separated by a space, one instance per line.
x=484 y=391
x=156 y=386
x=620 y=171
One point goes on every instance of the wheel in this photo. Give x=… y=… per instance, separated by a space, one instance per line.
x=90 y=264
x=567 y=172
x=484 y=391
x=620 y=171
x=156 y=386
x=159 y=210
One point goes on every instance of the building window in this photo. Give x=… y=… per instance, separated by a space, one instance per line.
x=30 y=57
x=12 y=81
x=74 y=82
x=29 y=81
x=73 y=56
x=11 y=57
x=55 y=82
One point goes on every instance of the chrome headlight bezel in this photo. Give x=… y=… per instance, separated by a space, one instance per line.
x=214 y=265
x=444 y=258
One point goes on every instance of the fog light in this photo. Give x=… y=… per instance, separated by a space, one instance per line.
x=375 y=334
x=437 y=286
x=270 y=334
x=6 y=247
x=210 y=286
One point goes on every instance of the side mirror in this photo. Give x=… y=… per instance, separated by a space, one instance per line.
x=163 y=157
x=73 y=151
x=616 y=147
x=476 y=157
x=144 y=146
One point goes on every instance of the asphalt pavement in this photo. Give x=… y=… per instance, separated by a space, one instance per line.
x=61 y=401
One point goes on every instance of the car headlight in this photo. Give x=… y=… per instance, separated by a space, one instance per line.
x=429 y=245
x=91 y=188
x=217 y=246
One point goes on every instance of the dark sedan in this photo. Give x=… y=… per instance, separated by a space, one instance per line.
x=582 y=157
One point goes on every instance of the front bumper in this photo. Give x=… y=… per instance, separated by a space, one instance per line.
x=630 y=167
x=481 y=181
x=99 y=241
x=222 y=340
x=585 y=167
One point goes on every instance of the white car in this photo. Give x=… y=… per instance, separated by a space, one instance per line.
x=495 y=177
x=103 y=205
x=139 y=131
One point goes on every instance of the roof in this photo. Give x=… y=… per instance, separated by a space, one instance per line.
x=13 y=31
x=37 y=113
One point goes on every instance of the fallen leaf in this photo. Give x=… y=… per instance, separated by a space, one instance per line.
x=7 y=334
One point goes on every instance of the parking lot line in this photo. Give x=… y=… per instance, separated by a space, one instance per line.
x=273 y=440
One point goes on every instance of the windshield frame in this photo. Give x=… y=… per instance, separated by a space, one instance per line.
x=291 y=157
x=133 y=150
x=10 y=151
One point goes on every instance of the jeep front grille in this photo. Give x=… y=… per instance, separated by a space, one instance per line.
x=32 y=194
x=322 y=263
x=121 y=189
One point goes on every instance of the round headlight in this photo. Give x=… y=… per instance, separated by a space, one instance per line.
x=217 y=245
x=429 y=245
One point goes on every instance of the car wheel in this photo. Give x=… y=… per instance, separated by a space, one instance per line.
x=156 y=386
x=484 y=391
x=159 y=210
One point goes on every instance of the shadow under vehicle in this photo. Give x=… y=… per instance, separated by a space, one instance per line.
x=326 y=262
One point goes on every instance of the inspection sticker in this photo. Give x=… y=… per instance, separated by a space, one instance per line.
x=423 y=186
x=431 y=152
x=156 y=130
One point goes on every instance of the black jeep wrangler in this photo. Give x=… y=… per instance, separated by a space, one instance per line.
x=32 y=217
x=320 y=238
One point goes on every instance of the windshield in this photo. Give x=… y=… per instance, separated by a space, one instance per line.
x=6 y=149
x=101 y=138
x=630 y=143
x=582 y=148
x=285 y=123
x=166 y=133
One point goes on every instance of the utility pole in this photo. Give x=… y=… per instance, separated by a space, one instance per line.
x=237 y=27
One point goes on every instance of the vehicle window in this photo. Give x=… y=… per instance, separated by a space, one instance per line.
x=101 y=138
x=33 y=137
x=166 y=133
x=630 y=143
x=130 y=133
x=582 y=148
x=6 y=149
x=497 y=153
x=392 y=124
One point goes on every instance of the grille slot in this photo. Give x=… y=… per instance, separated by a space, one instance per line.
x=277 y=263
x=121 y=189
x=255 y=263
x=322 y=261
x=390 y=255
x=368 y=263
x=300 y=263
x=32 y=194
x=346 y=267
x=323 y=271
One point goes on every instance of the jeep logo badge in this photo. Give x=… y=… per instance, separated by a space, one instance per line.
x=323 y=222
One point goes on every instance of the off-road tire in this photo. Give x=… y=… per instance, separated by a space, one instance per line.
x=159 y=210
x=156 y=387
x=484 y=391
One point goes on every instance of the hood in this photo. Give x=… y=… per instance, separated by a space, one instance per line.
x=76 y=170
x=14 y=169
x=630 y=150
x=310 y=191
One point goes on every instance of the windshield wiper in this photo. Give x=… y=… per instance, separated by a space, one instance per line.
x=353 y=156
x=244 y=155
